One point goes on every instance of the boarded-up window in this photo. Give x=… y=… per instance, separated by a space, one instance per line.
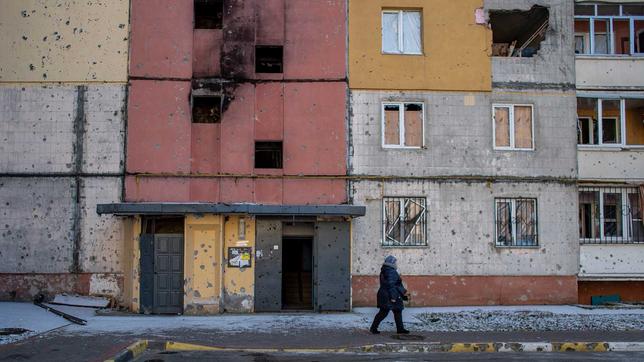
x=523 y=127
x=403 y=125
x=392 y=124
x=513 y=128
x=502 y=126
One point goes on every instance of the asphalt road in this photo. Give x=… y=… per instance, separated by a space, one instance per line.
x=152 y=356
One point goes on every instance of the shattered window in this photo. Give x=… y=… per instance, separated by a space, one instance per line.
x=206 y=109
x=513 y=127
x=611 y=215
x=404 y=221
x=402 y=125
x=516 y=222
x=209 y=14
x=595 y=127
x=268 y=154
x=401 y=32
x=517 y=33
x=609 y=29
x=268 y=59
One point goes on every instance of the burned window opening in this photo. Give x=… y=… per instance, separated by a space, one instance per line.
x=206 y=109
x=209 y=14
x=268 y=154
x=269 y=59
x=518 y=33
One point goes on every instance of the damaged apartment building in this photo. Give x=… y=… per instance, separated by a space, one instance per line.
x=462 y=149
x=208 y=156
x=235 y=194
x=609 y=58
x=63 y=85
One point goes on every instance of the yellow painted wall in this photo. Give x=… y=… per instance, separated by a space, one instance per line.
x=239 y=283
x=132 y=263
x=456 y=49
x=202 y=264
x=63 y=41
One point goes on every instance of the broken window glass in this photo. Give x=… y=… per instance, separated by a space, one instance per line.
x=518 y=33
x=516 y=222
x=404 y=221
x=206 y=109
x=584 y=9
x=601 y=39
x=611 y=114
x=582 y=36
x=637 y=10
x=621 y=36
x=268 y=154
x=608 y=10
x=638 y=36
x=209 y=14
x=401 y=32
x=611 y=215
x=268 y=59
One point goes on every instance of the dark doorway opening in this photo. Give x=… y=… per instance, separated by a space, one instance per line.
x=162 y=253
x=297 y=273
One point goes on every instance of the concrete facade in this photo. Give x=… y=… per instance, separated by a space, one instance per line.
x=62 y=129
x=613 y=267
x=459 y=172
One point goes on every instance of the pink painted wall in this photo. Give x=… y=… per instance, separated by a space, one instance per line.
x=307 y=115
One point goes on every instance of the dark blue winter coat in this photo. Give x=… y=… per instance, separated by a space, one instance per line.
x=391 y=288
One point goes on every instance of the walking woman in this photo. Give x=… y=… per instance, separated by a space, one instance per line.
x=390 y=296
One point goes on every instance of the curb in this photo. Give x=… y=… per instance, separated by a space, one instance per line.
x=130 y=352
x=434 y=347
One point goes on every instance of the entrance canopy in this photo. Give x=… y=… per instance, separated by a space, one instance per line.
x=177 y=208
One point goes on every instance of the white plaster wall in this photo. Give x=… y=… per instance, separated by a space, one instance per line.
x=606 y=164
x=597 y=72
x=616 y=261
x=461 y=230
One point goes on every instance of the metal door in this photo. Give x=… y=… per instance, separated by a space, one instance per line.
x=332 y=281
x=168 y=273
x=268 y=266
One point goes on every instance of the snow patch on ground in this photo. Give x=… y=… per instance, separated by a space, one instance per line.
x=531 y=320
x=27 y=316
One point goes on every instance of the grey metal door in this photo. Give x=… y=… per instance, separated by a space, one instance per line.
x=268 y=266
x=146 y=279
x=168 y=273
x=332 y=280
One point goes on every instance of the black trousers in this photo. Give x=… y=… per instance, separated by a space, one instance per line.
x=382 y=314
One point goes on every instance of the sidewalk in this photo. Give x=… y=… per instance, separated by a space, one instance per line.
x=106 y=335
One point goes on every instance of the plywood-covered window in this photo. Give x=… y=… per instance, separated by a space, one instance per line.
x=402 y=125
x=401 y=32
x=513 y=126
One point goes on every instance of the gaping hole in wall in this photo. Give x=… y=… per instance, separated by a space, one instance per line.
x=268 y=59
x=268 y=154
x=518 y=33
x=209 y=14
x=206 y=109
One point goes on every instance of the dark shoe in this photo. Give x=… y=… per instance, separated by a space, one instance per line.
x=374 y=331
x=403 y=331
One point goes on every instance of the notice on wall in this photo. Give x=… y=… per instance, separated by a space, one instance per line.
x=239 y=257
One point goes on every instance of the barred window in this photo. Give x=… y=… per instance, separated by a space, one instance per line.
x=610 y=215
x=404 y=221
x=516 y=222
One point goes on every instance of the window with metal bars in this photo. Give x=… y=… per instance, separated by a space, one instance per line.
x=516 y=222
x=611 y=215
x=404 y=221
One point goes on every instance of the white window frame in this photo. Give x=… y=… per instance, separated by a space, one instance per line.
x=513 y=220
x=401 y=50
x=600 y=121
x=610 y=19
x=511 y=106
x=626 y=227
x=401 y=125
x=401 y=216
